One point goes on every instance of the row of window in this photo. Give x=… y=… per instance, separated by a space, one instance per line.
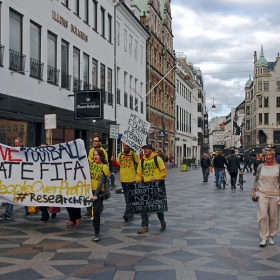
x=183 y=91
x=183 y=120
x=17 y=59
x=132 y=105
x=262 y=86
x=263 y=102
x=8 y=128
x=92 y=6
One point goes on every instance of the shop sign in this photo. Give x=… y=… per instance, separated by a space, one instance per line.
x=161 y=133
x=88 y=105
x=114 y=131
x=58 y=18
x=50 y=121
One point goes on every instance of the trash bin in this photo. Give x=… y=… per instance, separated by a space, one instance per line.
x=184 y=167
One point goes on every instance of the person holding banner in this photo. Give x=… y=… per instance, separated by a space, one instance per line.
x=151 y=168
x=127 y=163
x=99 y=170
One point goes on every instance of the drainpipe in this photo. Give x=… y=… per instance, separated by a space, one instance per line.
x=115 y=69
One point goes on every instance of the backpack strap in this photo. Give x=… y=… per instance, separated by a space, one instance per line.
x=155 y=161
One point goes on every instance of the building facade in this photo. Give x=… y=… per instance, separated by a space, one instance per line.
x=130 y=49
x=160 y=86
x=262 y=105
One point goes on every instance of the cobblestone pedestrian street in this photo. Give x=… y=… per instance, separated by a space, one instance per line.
x=210 y=234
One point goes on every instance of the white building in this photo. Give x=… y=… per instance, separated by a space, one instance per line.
x=48 y=50
x=216 y=133
x=131 y=37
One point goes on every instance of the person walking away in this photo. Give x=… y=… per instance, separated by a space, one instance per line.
x=257 y=162
x=99 y=170
x=127 y=163
x=205 y=164
x=246 y=162
x=233 y=166
x=267 y=184
x=171 y=160
x=219 y=163
x=149 y=171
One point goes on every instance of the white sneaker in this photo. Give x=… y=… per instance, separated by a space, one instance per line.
x=263 y=243
x=271 y=241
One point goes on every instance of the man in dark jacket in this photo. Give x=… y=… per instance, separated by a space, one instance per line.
x=219 y=163
x=233 y=166
x=205 y=166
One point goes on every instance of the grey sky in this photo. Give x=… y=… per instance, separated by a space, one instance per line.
x=220 y=37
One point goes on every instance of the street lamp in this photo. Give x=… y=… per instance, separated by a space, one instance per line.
x=213 y=106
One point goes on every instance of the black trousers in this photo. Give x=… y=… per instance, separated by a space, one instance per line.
x=233 y=178
x=74 y=213
x=97 y=213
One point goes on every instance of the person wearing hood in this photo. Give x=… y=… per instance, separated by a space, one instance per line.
x=149 y=171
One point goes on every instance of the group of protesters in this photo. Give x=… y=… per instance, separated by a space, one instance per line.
x=149 y=166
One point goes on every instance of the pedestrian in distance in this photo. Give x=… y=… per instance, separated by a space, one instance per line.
x=266 y=184
x=127 y=163
x=171 y=160
x=257 y=162
x=205 y=164
x=233 y=166
x=99 y=170
x=219 y=163
x=150 y=171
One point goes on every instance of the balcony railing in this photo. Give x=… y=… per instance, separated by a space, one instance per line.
x=65 y=80
x=77 y=84
x=17 y=61
x=36 y=69
x=1 y=54
x=108 y=98
x=53 y=75
x=86 y=86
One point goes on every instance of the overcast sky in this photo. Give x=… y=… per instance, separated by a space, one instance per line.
x=220 y=37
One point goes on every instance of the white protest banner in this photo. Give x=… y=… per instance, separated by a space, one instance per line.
x=136 y=133
x=55 y=175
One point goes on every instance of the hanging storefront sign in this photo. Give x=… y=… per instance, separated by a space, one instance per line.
x=88 y=105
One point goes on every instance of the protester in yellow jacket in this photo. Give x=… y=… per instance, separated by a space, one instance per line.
x=150 y=168
x=98 y=169
x=96 y=143
x=127 y=162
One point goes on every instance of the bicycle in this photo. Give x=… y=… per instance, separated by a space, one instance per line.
x=224 y=178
